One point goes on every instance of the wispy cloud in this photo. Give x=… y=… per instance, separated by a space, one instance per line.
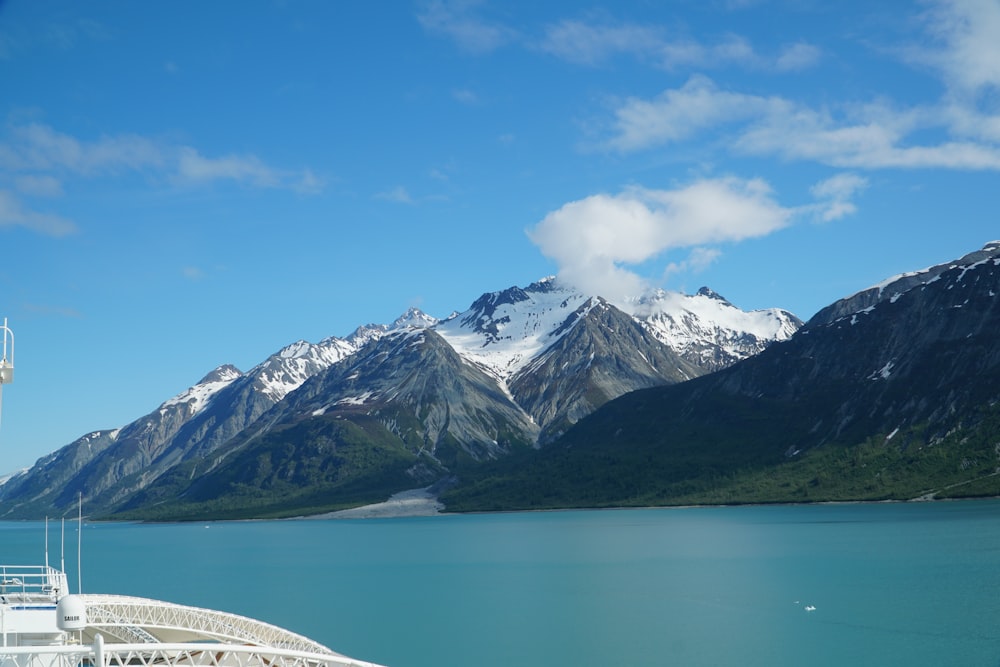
x=967 y=50
x=860 y=136
x=596 y=41
x=193 y=168
x=13 y=214
x=38 y=185
x=38 y=161
x=57 y=311
x=38 y=147
x=192 y=273
x=398 y=194
x=961 y=130
x=798 y=56
x=465 y=96
x=590 y=44
x=460 y=21
x=836 y=195
x=39 y=151
x=58 y=34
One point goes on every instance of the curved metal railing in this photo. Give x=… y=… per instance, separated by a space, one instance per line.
x=168 y=655
x=138 y=618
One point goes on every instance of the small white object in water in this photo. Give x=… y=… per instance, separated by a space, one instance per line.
x=810 y=608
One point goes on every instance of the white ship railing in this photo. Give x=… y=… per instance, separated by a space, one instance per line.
x=145 y=620
x=31 y=582
x=100 y=654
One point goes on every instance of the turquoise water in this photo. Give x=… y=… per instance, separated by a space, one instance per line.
x=892 y=584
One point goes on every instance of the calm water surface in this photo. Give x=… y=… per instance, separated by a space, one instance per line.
x=892 y=584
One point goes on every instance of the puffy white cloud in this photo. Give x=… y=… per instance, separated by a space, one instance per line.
x=969 y=55
x=593 y=240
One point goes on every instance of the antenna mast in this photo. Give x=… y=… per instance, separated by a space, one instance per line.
x=79 y=547
x=6 y=362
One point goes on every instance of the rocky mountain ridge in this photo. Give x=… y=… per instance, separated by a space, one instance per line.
x=515 y=369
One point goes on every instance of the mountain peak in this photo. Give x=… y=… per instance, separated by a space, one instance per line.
x=223 y=373
x=892 y=288
x=414 y=317
x=712 y=294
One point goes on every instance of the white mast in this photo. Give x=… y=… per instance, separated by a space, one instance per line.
x=6 y=362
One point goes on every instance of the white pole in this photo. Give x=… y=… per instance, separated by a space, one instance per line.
x=79 y=540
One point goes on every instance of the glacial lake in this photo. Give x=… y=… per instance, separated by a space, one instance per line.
x=890 y=584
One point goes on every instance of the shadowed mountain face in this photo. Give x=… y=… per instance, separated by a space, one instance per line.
x=892 y=393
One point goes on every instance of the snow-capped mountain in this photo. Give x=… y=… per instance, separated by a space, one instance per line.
x=503 y=331
x=893 y=287
x=890 y=393
x=517 y=367
x=110 y=465
x=707 y=330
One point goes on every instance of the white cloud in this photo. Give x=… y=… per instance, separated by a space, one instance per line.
x=594 y=240
x=871 y=136
x=588 y=44
x=969 y=57
x=594 y=42
x=40 y=147
x=13 y=214
x=698 y=260
x=457 y=20
x=398 y=194
x=836 y=194
x=678 y=114
x=36 y=155
x=798 y=57
x=192 y=167
x=309 y=183
x=38 y=185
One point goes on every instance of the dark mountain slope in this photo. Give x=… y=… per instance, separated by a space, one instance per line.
x=605 y=354
x=393 y=416
x=896 y=400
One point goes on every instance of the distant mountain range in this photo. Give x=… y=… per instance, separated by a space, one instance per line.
x=892 y=393
x=422 y=401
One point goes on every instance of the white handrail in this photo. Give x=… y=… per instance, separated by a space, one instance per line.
x=198 y=654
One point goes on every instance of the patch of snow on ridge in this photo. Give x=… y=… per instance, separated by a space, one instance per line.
x=503 y=335
x=296 y=349
x=682 y=321
x=284 y=372
x=355 y=400
x=200 y=395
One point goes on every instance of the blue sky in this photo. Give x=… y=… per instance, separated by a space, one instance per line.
x=187 y=184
